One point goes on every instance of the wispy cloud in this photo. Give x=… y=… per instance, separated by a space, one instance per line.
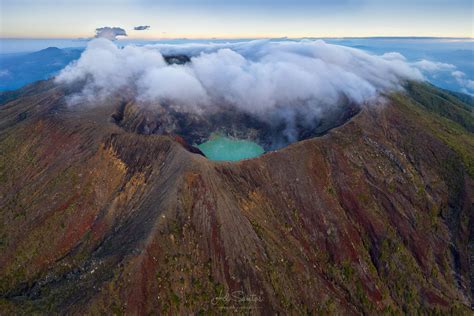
x=466 y=84
x=141 y=28
x=430 y=66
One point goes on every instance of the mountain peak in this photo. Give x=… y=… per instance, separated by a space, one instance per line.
x=374 y=216
x=48 y=51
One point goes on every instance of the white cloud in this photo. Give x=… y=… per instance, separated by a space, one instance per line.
x=264 y=78
x=430 y=66
x=166 y=83
x=458 y=74
x=108 y=69
x=109 y=33
x=463 y=81
x=394 y=56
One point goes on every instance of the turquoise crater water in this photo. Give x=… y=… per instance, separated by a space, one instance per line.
x=228 y=149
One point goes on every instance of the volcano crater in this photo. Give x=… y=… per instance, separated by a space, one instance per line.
x=198 y=127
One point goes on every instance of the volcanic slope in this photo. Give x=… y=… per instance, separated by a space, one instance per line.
x=376 y=216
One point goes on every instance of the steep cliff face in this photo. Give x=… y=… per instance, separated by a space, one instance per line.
x=375 y=216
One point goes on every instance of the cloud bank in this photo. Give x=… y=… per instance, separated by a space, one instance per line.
x=141 y=28
x=268 y=79
x=109 y=33
x=254 y=76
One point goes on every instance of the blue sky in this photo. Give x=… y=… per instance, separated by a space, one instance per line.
x=237 y=19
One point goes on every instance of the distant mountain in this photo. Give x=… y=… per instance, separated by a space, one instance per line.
x=17 y=70
x=98 y=217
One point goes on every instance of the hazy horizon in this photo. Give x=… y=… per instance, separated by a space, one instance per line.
x=147 y=19
x=20 y=45
x=452 y=57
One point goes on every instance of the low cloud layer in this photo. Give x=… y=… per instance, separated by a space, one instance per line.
x=433 y=67
x=141 y=28
x=109 y=33
x=255 y=76
x=466 y=84
x=263 y=78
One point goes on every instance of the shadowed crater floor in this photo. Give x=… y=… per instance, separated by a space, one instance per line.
x=241 y=135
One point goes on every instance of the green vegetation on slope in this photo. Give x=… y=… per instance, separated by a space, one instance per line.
x=442 y=103
x=451 y=120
